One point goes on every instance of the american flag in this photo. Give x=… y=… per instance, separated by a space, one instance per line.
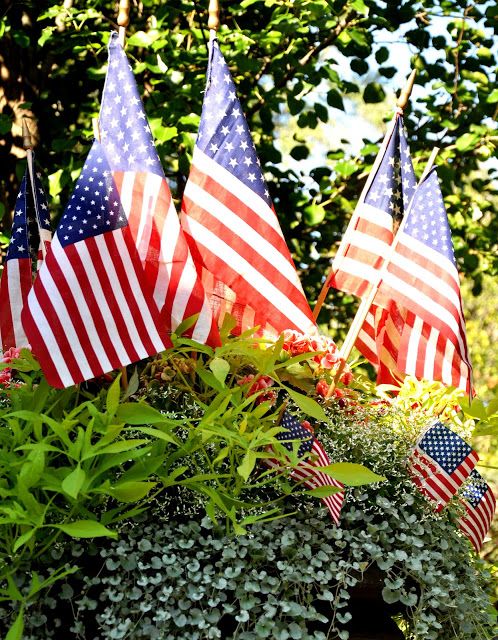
x=307 y=471
x=230 y=223
x=92 y=309
x=146 y=201
x=370 y=232
x=30 y=229
x=480 y=505
x=440 y=463
x=422 y=277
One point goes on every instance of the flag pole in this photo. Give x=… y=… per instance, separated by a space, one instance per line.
x=123 y=20
x=214 y=15
x=401 y=104
x=27 y=144
x=366 y=303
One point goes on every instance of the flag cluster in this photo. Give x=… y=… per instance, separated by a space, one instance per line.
x=415 y=324
x=313 y=457
x=442 y=464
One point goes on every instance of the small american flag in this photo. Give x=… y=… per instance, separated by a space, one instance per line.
x=480 y=505
x=146 y=200
x=307 y=471
x=230 y=223
x=422 y=277
x=370 y=232
x=440 y=463
x=30 y=228
x=92 y=309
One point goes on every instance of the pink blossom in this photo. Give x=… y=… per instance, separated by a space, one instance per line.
x=11 y=354
x=5 y=377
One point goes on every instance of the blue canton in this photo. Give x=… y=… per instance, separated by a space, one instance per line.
x=476 y=488
x=25 y=235
x=223 y=132
x=394 y=183
x=124 y=130
x=445 y=447
x=295 y=432
x=95 y=206
x=428 y=222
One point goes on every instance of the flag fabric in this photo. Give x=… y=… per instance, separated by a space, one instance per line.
x=480 y=505
x=147 y=203
x=307 y=471
x=422 y=277
x=228 y=217
x=30 y=228
x=367 y=240
x=440 y=463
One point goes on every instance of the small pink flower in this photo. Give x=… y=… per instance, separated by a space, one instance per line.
x=329 y=360
x=322 y=387
x=263 y=382
x=347 y=378
x=11 y=354
x=5 y=377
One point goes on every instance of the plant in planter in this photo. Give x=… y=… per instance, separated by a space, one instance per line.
x=289 y=573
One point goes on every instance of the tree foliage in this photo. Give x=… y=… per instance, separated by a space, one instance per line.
x=306 y=59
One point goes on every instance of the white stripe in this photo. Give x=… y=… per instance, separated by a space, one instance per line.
x=236 y=262
x=251 y=199
x=447 y=366
x=63 y=314
x=359 y=270
x=49 y=339
x=413 y=346
x=241 y=231
x=16 y=301
x=430 y=354
x=137 y=292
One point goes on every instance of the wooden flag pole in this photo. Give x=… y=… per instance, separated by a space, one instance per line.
x=27 y=144
x=366 y=303
x=400 y=106
x=214 y=15
x=123 y=20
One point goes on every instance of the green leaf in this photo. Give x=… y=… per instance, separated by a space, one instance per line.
x=116 y=447
x=132 y=491
x=157 y=433
x=220 y=368
x=351 y=473
x=73 y=482
x=314 y=214
x=85 y=529
x=141 y=413
x=390 y=596
x=247 y=465
x=23 y=539
x=373 y=93
x=17 y=629
x=309 y=406
x=493 y=96
x=323 y=492
x=468 y=141
x=113 y=394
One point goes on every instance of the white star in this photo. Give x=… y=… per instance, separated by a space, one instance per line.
x=233 y=162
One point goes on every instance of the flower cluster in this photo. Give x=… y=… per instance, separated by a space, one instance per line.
x=6 y=373
x=324 y=366
x=259 y=383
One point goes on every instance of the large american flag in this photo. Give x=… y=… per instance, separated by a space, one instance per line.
x=480 y=505
x=370 y=232
x=422 y=277
x=91 y=308
x=30 y=230
x=440 y=463
x=230 y=223
x=146 y=200
x=307 y=471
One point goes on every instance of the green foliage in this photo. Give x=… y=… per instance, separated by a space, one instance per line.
x=174 y=575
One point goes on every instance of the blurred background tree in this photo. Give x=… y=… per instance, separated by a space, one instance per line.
x=318 y=81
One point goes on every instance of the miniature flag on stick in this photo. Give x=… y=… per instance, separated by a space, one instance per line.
x=480 y=505
x=228 y=217
x=422 y=277
x=440 y=463
x=307 y=471
x=30 y=231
